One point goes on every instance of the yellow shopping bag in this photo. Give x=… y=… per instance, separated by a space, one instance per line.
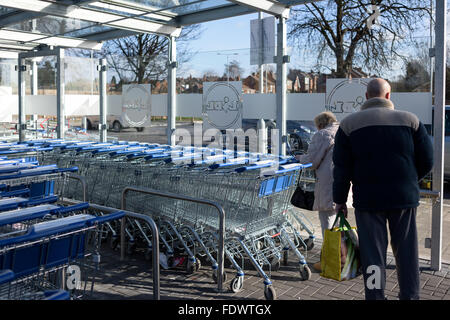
x=340 y=251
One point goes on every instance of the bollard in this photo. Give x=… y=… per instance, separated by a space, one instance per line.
x=262 y=136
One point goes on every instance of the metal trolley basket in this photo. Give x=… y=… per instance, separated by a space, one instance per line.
x=253 y=189
x=39 y=255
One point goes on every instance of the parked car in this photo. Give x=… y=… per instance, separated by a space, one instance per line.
x=447 y=143
x=114 y=123
x=299 y=132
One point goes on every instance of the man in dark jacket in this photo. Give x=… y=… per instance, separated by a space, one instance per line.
x=383 y=153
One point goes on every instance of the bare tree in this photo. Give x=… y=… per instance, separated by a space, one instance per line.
x=365 y=32
x=416 y=75
x=143 y=57
x=233 y=69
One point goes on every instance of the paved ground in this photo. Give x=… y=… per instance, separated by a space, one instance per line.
x=132 y=279
x=423 y=226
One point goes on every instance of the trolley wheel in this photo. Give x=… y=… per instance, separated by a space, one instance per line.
x=309 y=244
x=117 y=126
x=148 y=254
x=114 y=242
x=214 y=276
x=276 y=264
x=190 y=267
x=170 y=261
x=286 y=257
x=131 y=247
x=237 y=284
x=259 y=245
x=305 y=272
x=198 y=264
x=269 y=293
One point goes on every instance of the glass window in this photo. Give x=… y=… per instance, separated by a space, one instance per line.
x=447 y=122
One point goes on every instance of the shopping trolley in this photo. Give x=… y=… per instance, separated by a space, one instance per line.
x=245 y=198
x=38 y=253
x=27 y=289
x=254 y=190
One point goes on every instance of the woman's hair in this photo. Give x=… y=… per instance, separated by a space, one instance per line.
x=324 y=119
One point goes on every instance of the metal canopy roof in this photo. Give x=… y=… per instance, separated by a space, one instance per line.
x=27 y=24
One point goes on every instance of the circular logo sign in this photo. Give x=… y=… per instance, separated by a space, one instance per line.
x=136 y=105
x=346 y=96
x=222 y=106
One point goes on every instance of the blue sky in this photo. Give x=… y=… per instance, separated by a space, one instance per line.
x=227 y=36
x=219 y=39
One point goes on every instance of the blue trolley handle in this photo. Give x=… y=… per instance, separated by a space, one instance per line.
x=6 y=276
x=108 y=217
x=255 y=166
x=46 y=229
x=71 y=169
x=14 y=193
x=56 y=295
x=38 y=201
x=291 y=167
x=75 y=207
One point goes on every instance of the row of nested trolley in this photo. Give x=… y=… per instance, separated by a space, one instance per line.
x=253 y=189
x=48 y=250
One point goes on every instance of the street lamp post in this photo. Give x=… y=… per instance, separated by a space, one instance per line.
x=228 y=66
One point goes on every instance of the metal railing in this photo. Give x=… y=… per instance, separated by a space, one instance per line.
x=79 y=178
x=155 y=239
x=220 y=210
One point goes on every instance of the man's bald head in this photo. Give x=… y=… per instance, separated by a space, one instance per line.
x=378 y=88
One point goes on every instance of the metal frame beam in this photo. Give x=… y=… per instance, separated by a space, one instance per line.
x=227 y=11
x=44 y=39
x=266 y=6
x=211 y=14
x=13 y=46
x=172 y=92
x=281 y=88
x=103 y=126
x=439 y=133
x=109 y=35
x=21 y=69
x=48 y=51
x=60 y=94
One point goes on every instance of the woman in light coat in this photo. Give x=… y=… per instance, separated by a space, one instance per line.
x=320 y=155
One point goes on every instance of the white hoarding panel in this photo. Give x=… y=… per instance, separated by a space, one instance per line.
x=346 y=96
x=418 y=103
x=300 y=106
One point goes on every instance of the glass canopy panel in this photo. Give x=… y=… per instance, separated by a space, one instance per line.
x=178 y=7
x=53 y=25
x=4 y=10
x=199 y=6
x=157 y=15
x=81 y=33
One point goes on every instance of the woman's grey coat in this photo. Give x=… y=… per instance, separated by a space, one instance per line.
x=320 y=154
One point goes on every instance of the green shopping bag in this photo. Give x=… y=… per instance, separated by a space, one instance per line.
x=340 y=251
